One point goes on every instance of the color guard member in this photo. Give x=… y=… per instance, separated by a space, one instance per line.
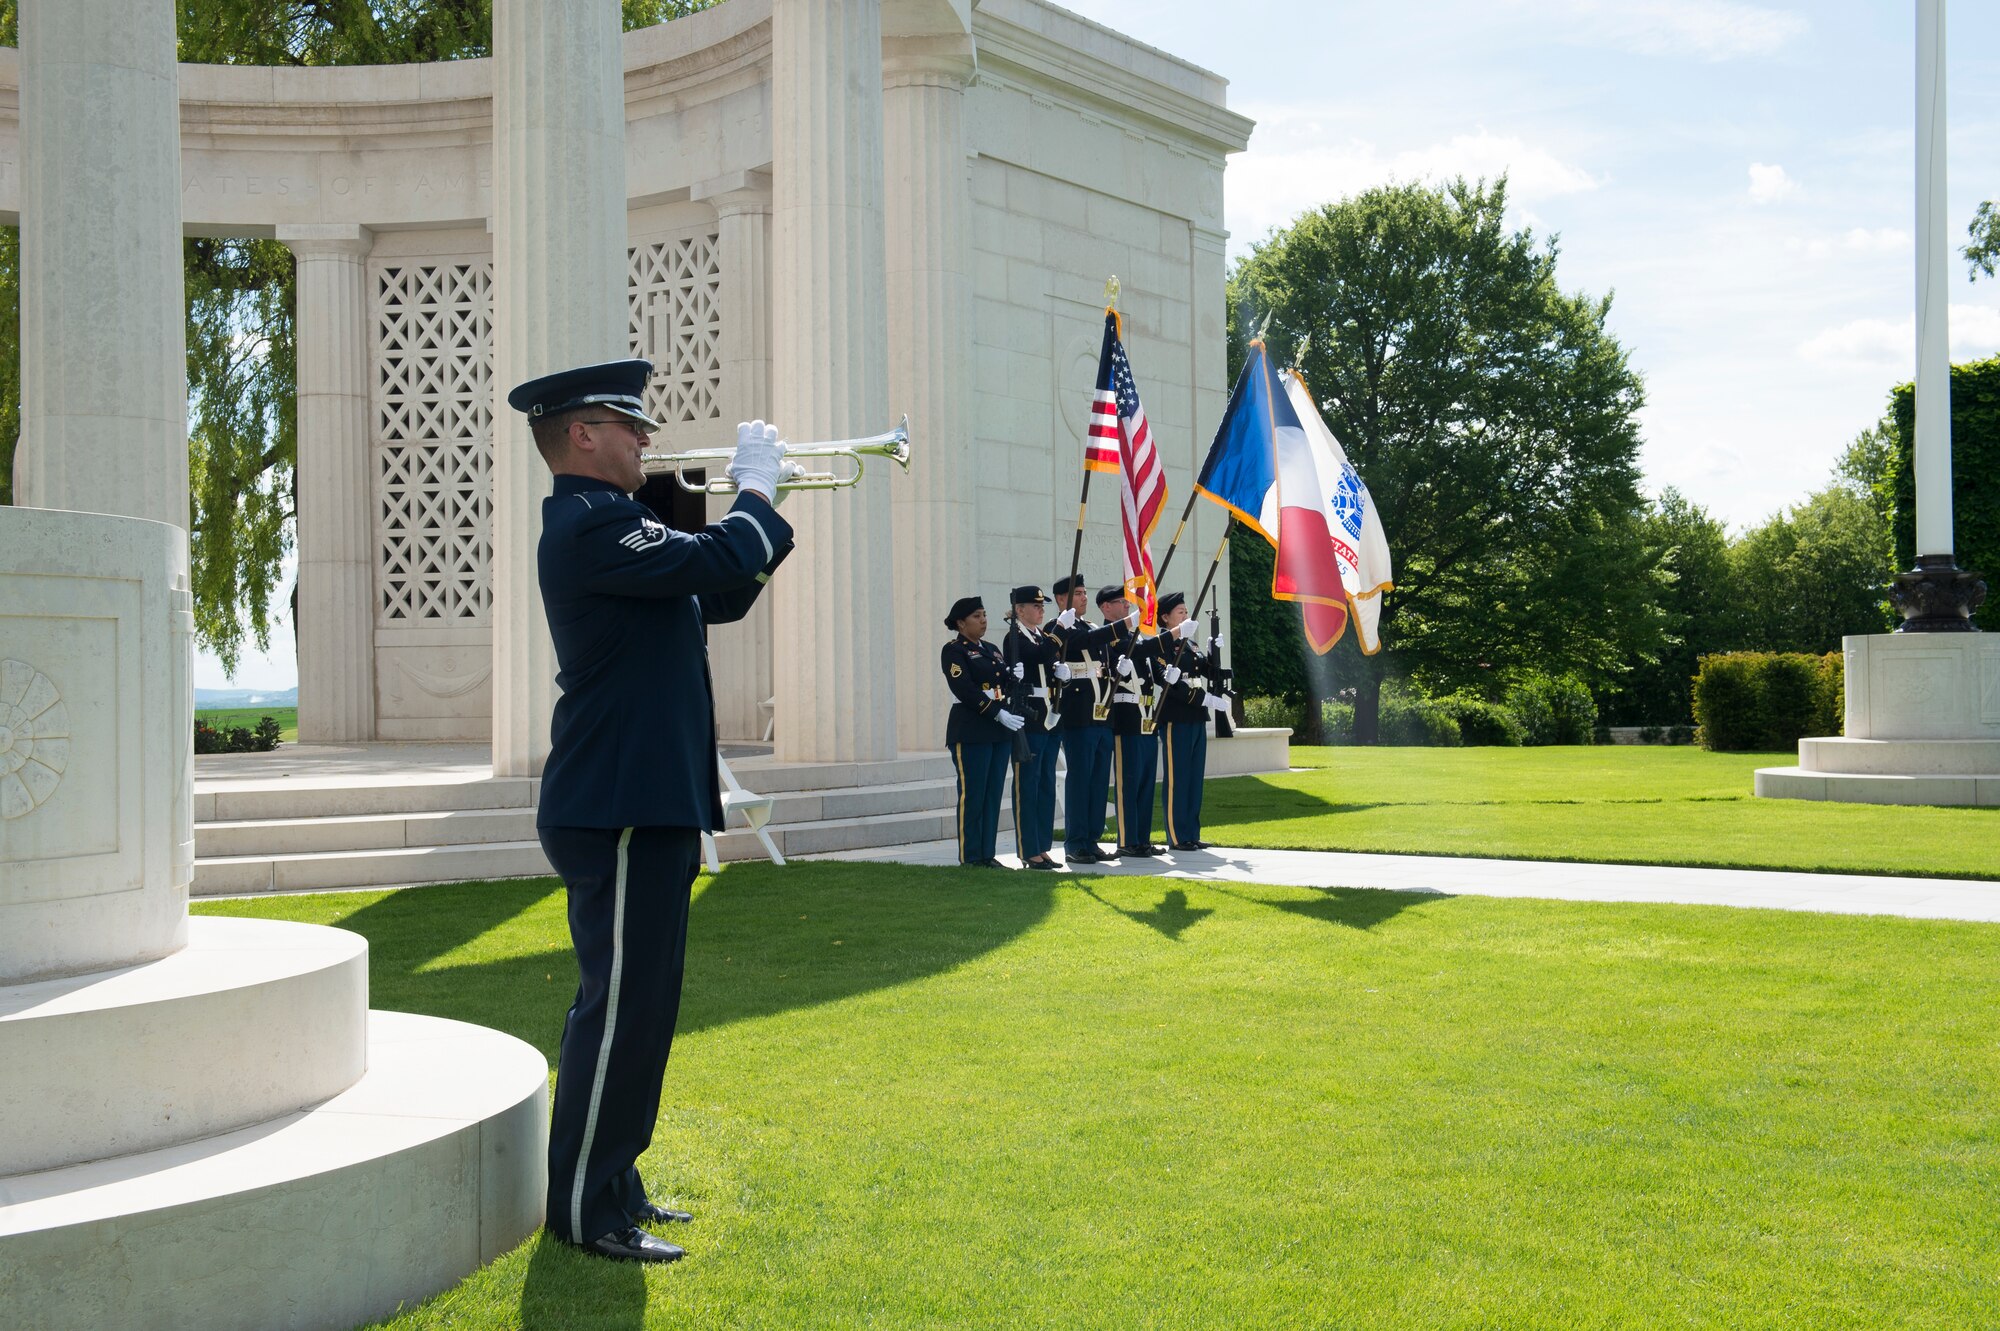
x=1086 y=739
x=1032 y=657
x=1185 y=671
x=1135 y=746
x=979 y=729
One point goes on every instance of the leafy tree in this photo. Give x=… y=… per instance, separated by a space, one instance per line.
x=1984 y=251
x=242 y=398
x=1699 y=601
x=1975 y=461
x=1494 y=419
x=1807 y=577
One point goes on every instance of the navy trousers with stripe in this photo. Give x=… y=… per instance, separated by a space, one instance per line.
x=1186 y=757
x=1035 y=794
x=628 y=913
x=1087 y=749
x=982 y=780
x=1138 y=766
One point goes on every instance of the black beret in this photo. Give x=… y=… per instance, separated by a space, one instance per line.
x=1026 y=596
x=618 y=385
x=1170 y=600
x=962 y=607
x=1112 y=593
x=1064 y=586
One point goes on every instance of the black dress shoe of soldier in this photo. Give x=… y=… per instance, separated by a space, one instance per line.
x=1084 y=857
x=633 y=1245
x=991 y=864
x=1131 y=853
x=1189 y=845
x=650 y=1213
x=1044 y=863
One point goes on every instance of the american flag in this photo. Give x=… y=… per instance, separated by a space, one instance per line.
x=1119 y=441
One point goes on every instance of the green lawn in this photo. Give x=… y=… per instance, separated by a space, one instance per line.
x=248 y=717
x=915 y=1098
x=1626 y=803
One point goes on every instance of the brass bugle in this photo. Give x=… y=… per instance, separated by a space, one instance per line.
x=891 y=444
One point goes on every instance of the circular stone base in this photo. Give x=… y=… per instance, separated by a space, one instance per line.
x=433 y=1164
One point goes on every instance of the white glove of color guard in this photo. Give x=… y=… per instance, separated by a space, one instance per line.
x=1215 y=702
x=1020 y=670
x=1125 y=667
x=760 y=458
x=1066 y=620
x=1011 y=721
x=1132 y=618
x=1062 y=671
x=1186 y=629
x=1173 y=674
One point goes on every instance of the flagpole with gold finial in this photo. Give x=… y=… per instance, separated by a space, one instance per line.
x=1083 y=500
x=1194 y=493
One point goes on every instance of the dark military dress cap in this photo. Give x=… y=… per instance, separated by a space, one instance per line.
x=1067 y=585
x=1170 y=600
x=618 y=386
x=1112 y=593
x=962 y=607
x=1026 y=596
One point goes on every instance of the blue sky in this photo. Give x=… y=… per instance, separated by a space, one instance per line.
x=1739 y=174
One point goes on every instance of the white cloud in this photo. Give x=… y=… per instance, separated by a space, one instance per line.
x=1299 y=159
x=1769 y=183
x=1891 y=344
x=1856 y=240
x=1707 y=29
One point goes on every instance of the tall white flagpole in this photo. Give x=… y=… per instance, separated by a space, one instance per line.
x=1933 y=460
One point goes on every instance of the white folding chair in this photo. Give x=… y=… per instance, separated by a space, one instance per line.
x=756 y=811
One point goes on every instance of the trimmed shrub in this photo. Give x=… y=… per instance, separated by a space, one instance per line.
x=1552 y=709
x=1268 y=712
x=1483 y=723
x=236 y=739
x=1651 y=734
x=1747 y=701
x=1680 y=734
x=1419 y=722
x=1336 y=721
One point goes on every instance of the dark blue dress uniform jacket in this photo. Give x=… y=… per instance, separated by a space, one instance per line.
x=1080 y=642
x=973 y=671
x=628 y=599
x=1181 y=703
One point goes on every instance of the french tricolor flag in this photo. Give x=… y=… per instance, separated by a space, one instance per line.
x=1276 y=466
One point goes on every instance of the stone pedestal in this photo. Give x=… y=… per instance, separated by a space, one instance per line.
x=1922 y=726
x=559 y=300
x=336 y=611
x=929 y=225
x=835 y=610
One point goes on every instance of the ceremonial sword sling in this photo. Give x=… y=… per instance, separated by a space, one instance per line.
x=891 y=444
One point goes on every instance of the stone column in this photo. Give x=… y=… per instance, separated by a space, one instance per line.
x=103 y=307
x=929 y=283
x=559 y=284
x=741 y=652
x=835 y=612
x=336 y=531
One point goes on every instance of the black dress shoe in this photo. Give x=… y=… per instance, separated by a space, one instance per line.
x=1152 y=851
x=633 y=1245
x=1189 y=845
x=650 y=1213
x=991 y=864
x=1131 y=852
x=1044 y=863
x=1084 y=857
x=1204 y=845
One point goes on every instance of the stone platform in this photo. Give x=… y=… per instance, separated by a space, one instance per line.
x=309 y=817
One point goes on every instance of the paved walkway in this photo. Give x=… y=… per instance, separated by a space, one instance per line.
x=1839 y=893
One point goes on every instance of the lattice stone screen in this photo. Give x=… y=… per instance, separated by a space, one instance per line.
x=676 y=322
x=434 y=440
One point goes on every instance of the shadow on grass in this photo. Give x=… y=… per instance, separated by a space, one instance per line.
x=1171 y=918
x=1348 y=907
x=761 y=940
x=566 y=1290
x=1252 y=799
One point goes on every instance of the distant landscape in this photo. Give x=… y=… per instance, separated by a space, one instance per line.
x=211 y=698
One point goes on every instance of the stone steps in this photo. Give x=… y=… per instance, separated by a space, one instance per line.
x=1799 y=783
x=429 y=1166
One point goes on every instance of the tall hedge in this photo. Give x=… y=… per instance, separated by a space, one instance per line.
x=1760 y=701
x=1975 y=463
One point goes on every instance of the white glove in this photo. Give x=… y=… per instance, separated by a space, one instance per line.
x=1132 y=618
x=759 y=460
x=1215 y=702
x=1062 y=671
x=1173 y=674
x=1215 y=643
x=1125 y=666
x=1020 y=670
x=1066 y=620
x=791 y=471
x=1011 y=721
x=1186 y=629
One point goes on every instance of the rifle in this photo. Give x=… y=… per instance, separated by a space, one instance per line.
x=1016 y=701
x=1218 y=679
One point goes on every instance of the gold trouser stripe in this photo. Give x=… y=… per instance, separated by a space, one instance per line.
x=958 y=756
x=1118 y=776
x=1171 y=837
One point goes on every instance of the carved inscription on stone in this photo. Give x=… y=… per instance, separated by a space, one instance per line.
x=34 y=738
